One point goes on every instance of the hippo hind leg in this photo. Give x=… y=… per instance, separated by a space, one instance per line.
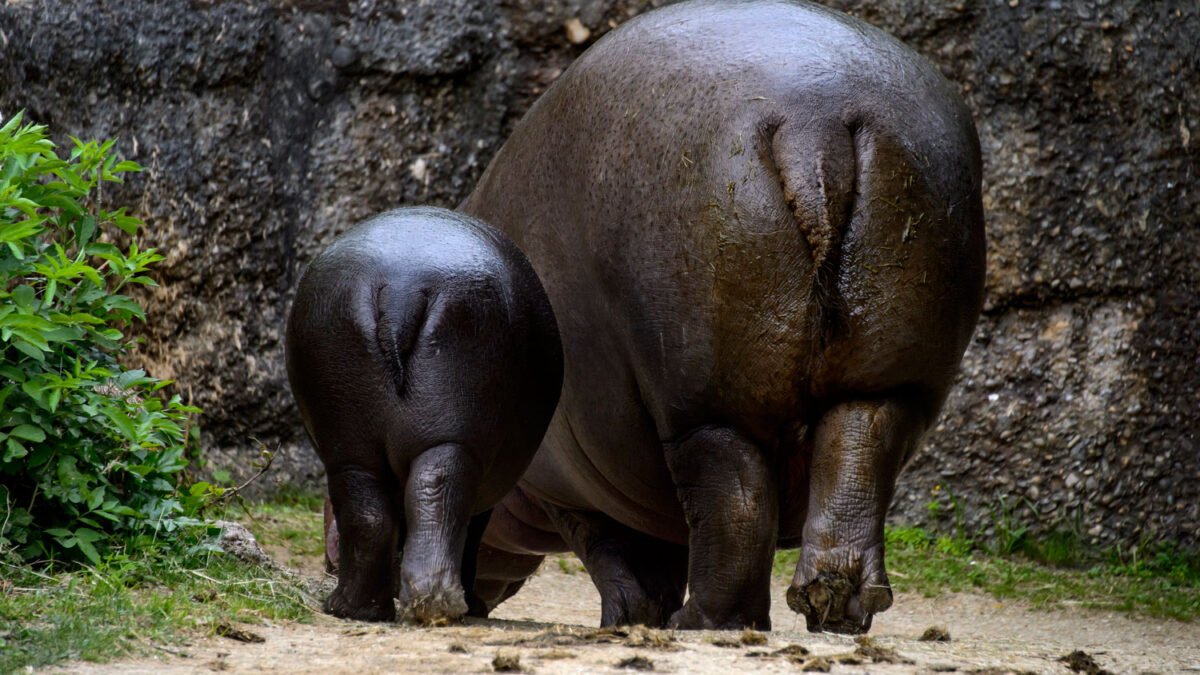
x=438 y=498
x=860 y=446
x=476 y=606
x=641 y=579
x=730 y=501
x=368 y=531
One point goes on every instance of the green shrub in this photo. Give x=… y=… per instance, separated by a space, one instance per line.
x=91 y=455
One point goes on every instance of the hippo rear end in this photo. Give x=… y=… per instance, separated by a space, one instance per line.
x=760 y=227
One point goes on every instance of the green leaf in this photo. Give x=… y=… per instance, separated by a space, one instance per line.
x=82 y=317
x=39 y=456
x=58 y=532
x=30 y=335
x=60 y=201
x=12 y=123
x=13 y=232
x=124 y=425
x=29 y=350
x=88 y=535
x=12 y=372
x=103 y=249
x=13 y=450
x=84 y=231
x=48 y=296
x=11 y=168
x=23 y=295
x=123 y=305
x=28 y=432
x=130 y=378
x=90 y=551
x=128 y=224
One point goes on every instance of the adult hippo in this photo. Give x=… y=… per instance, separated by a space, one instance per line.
x=425 y=360
x=760 y=227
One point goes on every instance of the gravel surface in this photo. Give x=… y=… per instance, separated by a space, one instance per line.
x=550 y=626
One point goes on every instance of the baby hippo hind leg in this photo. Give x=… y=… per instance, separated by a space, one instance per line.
x=641 y=579
x=730 y=500
x=438 y=498
x=840 y=580
x=368 y=532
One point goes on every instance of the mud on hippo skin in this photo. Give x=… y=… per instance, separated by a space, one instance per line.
x=761 y=228
x=425 y=360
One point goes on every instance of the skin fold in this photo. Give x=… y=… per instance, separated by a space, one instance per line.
x=761 y=230
x=425 y=360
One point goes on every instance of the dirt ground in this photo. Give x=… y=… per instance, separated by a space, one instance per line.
x=550 y=627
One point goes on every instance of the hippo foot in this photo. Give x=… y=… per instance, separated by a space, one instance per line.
x=476 y=606
x=373 y=608
x=435 y=608
x=829 y=603
x=628 y=604
x=691 y=617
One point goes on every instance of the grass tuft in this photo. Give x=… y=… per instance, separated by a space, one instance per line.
x=130 y=604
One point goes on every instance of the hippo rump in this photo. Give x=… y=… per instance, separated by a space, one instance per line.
x=761 y=230
x=425 y=360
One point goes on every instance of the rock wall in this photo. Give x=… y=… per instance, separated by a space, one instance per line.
x=269 y=127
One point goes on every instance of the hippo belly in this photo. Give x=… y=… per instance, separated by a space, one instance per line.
x=760 y=227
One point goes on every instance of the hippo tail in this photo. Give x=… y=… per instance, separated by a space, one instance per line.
x=817 y=168
x=400 y=318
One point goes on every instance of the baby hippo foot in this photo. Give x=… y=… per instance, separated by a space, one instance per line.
x=360 y=606
x=840 y=590
x=692 y=617
x=428 y=602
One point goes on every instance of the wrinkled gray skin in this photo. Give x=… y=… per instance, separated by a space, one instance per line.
x=760 y=227
x=425 y=360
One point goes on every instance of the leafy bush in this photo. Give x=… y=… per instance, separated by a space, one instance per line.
x=91 y=456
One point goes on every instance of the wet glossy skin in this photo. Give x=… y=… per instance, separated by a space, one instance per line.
x=760 y=227
x=425 y=360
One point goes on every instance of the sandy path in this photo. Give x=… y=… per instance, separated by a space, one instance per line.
x=546 y=625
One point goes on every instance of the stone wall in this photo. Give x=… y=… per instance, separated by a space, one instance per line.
x=269 y=127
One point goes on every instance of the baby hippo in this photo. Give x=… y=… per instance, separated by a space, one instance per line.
x=426 y=363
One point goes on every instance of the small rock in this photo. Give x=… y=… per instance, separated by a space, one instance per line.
x=577 y=33
x=343 y=56
x=419 y=168
x=238 y=542
x=458 y=648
